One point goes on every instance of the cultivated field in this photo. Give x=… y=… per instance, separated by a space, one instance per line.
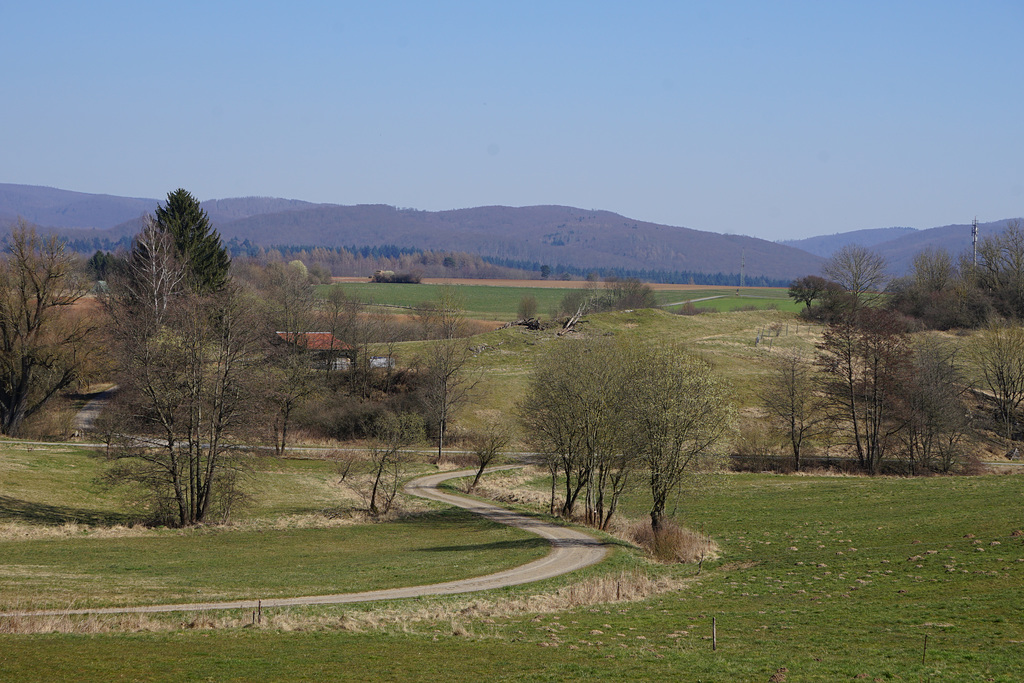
x=499 y=299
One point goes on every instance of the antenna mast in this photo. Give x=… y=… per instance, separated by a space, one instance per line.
x=974 y=234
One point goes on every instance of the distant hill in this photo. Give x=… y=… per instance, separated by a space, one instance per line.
x=956 y=239
x=900 y=245
x=49 y=207
x=556 y=235
x=518 y=237
x=226 y=210
x=553 y=235
x=826 y=245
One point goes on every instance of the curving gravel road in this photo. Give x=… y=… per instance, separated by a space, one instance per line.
x=571 y=550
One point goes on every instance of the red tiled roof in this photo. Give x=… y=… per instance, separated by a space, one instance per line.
x=316 y=341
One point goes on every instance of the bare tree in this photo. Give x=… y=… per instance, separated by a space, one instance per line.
x=290 y=383
x=152 y=276
x=859 y=270
x=43 y=347
x=936 y=417
x=551 y=416
x=789 y=396
x=446 y=384
x=290 y=310
x=601 y=411
x=189 y=389
x=866 y=360
x=487 y=446
x=997 y=355
x=1000 y=270
x=679 y=415
x=290 y=299
x=393 y=433
x=340 y=313
x=571 y=412
x=445 y=318
x=933 y=270
x=527 y=308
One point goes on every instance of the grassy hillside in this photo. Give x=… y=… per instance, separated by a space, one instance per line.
x=503 y=358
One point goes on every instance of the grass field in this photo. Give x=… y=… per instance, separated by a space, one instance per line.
x=821 y=578
x=168 y=566
x=503 y=358
x=501 y=302
x=825 y=578
x=53 y=556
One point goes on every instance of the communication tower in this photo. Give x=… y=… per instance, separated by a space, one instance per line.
x=974 y=235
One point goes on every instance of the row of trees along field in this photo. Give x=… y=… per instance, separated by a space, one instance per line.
x=894 y=396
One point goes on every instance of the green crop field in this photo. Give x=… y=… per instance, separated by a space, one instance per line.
x=725 y=299
x=501 y=302
x=483 y=302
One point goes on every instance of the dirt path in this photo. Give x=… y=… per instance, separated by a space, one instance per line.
x=86 y=417
x=693 y=301
x=571 y=550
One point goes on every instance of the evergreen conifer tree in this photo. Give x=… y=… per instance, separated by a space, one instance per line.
x=195 y=241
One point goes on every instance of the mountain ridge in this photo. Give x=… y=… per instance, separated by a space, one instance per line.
x=552 y=234
x=826 y=245
x=556 y=235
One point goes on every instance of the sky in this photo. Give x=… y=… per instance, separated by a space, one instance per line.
x=773 y=119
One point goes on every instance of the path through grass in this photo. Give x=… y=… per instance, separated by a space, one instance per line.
x=822 y=578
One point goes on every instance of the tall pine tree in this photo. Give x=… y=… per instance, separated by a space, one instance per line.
x=195 y=241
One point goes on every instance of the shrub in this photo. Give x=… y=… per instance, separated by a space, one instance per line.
x=672 y=543
x=689 y=309
x=391 y=276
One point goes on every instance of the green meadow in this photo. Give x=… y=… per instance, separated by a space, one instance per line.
x=501 y=302
x=817 y=578
x=68 y=540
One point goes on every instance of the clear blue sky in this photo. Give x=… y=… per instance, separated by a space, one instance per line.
x=772 y=119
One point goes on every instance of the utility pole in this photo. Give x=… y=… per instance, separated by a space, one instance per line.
x=743 y=265
x=974 y=234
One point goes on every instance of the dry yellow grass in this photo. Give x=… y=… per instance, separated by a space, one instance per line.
x=458 y=615
x=18 y=531
x=672 y=543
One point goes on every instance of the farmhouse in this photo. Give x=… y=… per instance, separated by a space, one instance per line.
x=326 y=351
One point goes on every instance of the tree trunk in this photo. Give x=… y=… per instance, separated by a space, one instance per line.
x=476 y=479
